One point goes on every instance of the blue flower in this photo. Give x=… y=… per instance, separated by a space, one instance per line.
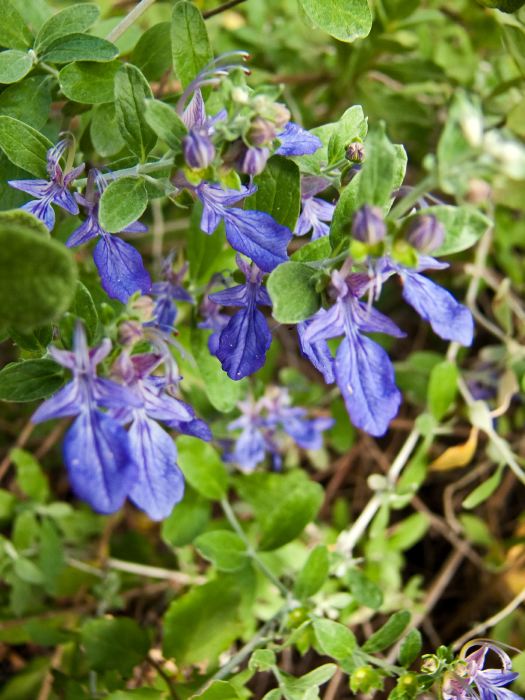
x=214 y=320
x=97 y=450
x=362 y=368
x=52 y=191
x=471 y=681
x=253 y=233
x=316 y=213
x=263 y=425
x=119 y=264
x=296 y=141
x=166 y=293
x=197 y=146
x=244 y=341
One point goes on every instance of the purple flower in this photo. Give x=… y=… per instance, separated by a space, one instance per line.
x=264 y=423
x=316 y=213
x=426 y=233
x=253 y=233
x=214 y=320
x=159 y=484
x=471 y=681
x=362 y=369
x=253 y=159
x=119 y=264
x=97 y=450
x=166 y=293
x=198 y=147
x=244 y=341
x=369 y=225
x=296 y=141
x=52 y=191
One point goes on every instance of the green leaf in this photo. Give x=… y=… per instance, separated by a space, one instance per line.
x=442 y=388
x=114 y=644
x=223 y=392
x=388 y=633
x=28 y=571
x=283 y=504
x=202 y=250
x=14 y=65
x=152 y=54
x=83 y=308
x=24 y=146
x=131 y=91
x=223 y=548
x=51 y=560
x=89 y=82
x=123 y=201
x=297 y=687
x=14 y=33
x=202 y=623
x=262 y=660
x=202 y=467
x=187 y=520
x=190 y=45
x=278 y=191
x=313 y=574
x=484 y=490
x=30 y=380
x=166 y=123
x=71 y=20
x=79 y=47
x=104 y=131
x=410 y=647
x=37 y=278
x=291 y=288
x=464 y=226
x=218 y=690
x=365 y=591
x=335 y=639
x=29 y=475
x=408 y=532
x=313 y=251
x=346 y=20
x=28 y=101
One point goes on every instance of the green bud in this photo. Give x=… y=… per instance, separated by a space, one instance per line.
x=364 y=679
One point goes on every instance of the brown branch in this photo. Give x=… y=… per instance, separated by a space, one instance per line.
x=222 y=8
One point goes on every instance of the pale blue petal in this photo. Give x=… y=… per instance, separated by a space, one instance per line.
x=120 y=267
x=244 y=342
x=257 y=235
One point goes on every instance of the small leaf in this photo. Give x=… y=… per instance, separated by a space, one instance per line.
x=365 y=591
x=458 y=455
x=28 y=101
x=166 y=123
x=335 y=639
x=464 y=226
x=223 y=548
x=30 y=380
x=190 y=45
x=442 y=388
x=114 y=644
x=187 y=520
x=202 y=467
x=313 y=574
x=28 y=572
x=24 y=146
x=482 y=492
x=291 y=288
x=410 y=648
x=131 y=91
x=104 y=131
x=262 y=660
x=218 y=690
x=29 y=476
x=89 y=82
x=278 y=191
x=14 y=65
x=152 y=54
x=123 y=201
x=71 y=20
x=346 y=20
x=388 y=633
x=79 y=47
x=14 y=33
x=223 y=392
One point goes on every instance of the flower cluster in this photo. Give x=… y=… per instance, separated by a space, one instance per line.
x=106 y=462
x=264 y=425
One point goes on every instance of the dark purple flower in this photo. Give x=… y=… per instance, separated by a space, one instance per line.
x=119 y=264
x=296 y=141
x=253 y=159
x=97 y=450
x=52 y=191
x=244 y=341
x=362 y=369
x=471 y=681
x=369 y=225
x=214 y=320
x=198 y=148
x=316 y=214
x=166 y=293
x=253 y=233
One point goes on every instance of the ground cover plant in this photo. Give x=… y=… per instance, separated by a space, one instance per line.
x=261 y=349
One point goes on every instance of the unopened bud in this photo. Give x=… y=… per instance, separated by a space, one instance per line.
x=368 y=225
x=281 y=115
x=130 y=332
x=261 y=132
x=144 y=306
x=426 y=233
x=198 y=149
x=355 y=152
x=241 y=96
x=253 y=161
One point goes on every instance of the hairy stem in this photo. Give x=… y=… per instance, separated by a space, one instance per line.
x=129 y=19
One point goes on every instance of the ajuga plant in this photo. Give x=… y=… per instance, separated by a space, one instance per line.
x=260 y=382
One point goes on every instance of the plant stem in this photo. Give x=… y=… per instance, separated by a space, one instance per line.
x=222 y=8
x=349 y=538
x=408 y=201
x=135 y=171
x=129 y=19
x=232 y=519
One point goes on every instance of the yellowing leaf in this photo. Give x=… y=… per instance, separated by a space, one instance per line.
x=458 y=455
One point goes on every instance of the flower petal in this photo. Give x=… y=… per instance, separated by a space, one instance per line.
x=196 y=428
x=120 y=267
x=42 y=209
x=160 y=483
x=257 y=235
x=249 y=449
x=244 y=342
x=234 y=296
x=317 y=352
x=365 y=376
x=88 y=230
x=100 y=463
x=296 y=141
x=66 y=402
x=36 y=188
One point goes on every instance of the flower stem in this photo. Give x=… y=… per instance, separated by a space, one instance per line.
x=135 y=171
x=129 y=19
x=408 y=201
